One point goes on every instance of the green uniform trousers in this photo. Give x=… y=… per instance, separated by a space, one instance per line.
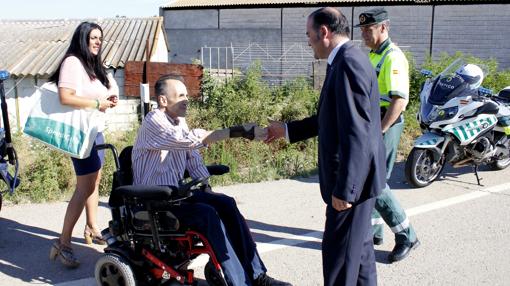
x=387 y=208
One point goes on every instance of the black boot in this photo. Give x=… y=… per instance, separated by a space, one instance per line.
x=266 y=280
x=378 y=240
x=401 y=251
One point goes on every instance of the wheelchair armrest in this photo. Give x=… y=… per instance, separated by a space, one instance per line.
x=217 y=170
x=145 y=192
x=214 y=170
x=186 y=187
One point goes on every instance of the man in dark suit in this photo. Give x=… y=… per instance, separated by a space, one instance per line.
x=351 y=151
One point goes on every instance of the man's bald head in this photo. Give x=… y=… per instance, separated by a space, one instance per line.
x=172 y=96
x=163 y=82
x=332 y=18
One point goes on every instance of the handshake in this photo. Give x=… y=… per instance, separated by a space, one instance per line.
x=250 y=131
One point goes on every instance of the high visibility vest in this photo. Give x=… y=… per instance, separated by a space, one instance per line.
x=392 y=71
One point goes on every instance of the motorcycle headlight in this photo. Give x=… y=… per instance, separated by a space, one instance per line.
x=432 y=116
x=443 y=114
x=448 y=113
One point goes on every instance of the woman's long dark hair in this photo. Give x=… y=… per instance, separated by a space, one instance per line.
x=79 y=48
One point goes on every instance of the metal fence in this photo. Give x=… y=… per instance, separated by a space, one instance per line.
x=277 y=63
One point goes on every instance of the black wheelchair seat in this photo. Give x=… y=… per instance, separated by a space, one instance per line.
x=145 y=192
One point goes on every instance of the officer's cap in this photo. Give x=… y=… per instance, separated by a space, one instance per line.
x=372 y=16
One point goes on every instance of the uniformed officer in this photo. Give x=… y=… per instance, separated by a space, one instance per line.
x=392 y=71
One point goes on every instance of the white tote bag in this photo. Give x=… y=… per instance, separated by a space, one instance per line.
x=64 y=128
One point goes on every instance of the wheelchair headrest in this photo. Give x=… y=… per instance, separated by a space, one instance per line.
x=122 y=177
x=126 y=165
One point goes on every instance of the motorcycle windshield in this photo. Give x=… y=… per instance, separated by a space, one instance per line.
x=448 y=84
x=447 y=88
x=425 y=106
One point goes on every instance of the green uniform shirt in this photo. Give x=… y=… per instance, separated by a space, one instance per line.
x=393 y=77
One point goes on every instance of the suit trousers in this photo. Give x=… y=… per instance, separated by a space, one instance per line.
x=347 y=249
x=237 y=231
x=387 y=207
x=203 y=218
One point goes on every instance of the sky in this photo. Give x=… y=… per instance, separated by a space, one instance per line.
x=78 y=9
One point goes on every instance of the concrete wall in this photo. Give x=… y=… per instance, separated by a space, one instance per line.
x=189 y=30
x=480 y=30
x=123 y=117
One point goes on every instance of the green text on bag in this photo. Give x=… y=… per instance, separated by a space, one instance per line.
x=63 y=136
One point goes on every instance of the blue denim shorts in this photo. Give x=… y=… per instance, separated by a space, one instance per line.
x=93 y=163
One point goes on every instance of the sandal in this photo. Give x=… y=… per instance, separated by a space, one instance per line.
x=65 y=254
x=93 y=237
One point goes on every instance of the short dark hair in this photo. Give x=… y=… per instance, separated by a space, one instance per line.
x=160 y=86
x=79 y=47
x=332 y=18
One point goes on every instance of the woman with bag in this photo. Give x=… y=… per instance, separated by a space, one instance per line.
x=84 y=83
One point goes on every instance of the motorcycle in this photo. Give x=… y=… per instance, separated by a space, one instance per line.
x=6 y=148
x=462 y=123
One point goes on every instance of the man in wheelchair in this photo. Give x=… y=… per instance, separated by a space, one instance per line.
x=164 y=149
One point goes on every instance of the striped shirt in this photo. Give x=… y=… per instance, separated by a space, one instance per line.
x=164 y=149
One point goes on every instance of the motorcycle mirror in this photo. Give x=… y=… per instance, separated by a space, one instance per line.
x=4 y=75
x=426 y=72
x=484 y=91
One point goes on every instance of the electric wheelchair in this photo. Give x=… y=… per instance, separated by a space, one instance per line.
x=146 y=245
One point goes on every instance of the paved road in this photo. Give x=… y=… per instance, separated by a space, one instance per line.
x=464 y=230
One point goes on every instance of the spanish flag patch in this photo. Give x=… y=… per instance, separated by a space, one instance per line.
x=395 y=71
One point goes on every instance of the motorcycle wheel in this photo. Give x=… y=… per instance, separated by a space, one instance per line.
x=419 y=169
x=500 y=164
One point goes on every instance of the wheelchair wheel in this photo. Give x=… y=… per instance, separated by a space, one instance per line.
x=113 y=270
x=213 y=276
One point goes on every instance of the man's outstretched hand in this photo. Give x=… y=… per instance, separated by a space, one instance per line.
x=249 y=131
x=275 y=130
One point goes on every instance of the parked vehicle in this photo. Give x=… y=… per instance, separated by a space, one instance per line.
x=463 y=124
x=6 y=148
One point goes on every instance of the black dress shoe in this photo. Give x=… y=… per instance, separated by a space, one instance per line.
x=378 y=240
x=401 y=251
x=266 y=280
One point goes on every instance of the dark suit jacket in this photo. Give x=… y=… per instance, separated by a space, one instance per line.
x=351 y=150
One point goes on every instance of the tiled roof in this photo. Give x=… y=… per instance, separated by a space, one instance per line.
x=35 y=47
